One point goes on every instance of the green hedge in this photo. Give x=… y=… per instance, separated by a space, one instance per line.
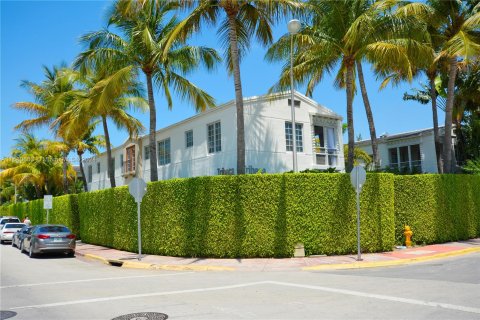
x=64 y=211
x=108 y=218
x=243 y=216
x=438 y=208
x=266 y=215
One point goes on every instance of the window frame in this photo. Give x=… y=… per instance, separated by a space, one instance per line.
x=188 y=139
x=298 y=136
x=130 y=164
x=166 y=157
x=214 y=141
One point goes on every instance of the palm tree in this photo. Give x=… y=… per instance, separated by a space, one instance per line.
x=34 y=162
x=145 y=27
x=106 y=94
x=52 y=98
x=458 y=26
x=87 y=142
x=242 y=20
x=345 y=33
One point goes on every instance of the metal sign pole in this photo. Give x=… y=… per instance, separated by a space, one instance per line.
x=359 y=250
x=139 y=233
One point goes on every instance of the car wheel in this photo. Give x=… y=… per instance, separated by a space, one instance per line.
x=71 y=254
x=31 y=254
x=13 y=243
x=1 y=241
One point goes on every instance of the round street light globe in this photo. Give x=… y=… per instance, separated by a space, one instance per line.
x=294 y=26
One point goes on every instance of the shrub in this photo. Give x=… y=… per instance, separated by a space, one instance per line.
x=438 y=208
x=244 y=216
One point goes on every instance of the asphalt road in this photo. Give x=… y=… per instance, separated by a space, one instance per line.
x=57 y=287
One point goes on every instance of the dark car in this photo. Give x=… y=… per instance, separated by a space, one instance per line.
x=45 y=238
x=19 y=236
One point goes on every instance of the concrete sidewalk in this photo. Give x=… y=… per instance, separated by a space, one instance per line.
x=397 y=257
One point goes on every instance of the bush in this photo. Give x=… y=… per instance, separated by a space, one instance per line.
x=438 y=208
x=108 y=218
x=65 y=211
x=244 y=216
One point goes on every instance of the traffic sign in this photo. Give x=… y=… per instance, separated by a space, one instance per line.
x=47 y=201
x=358 y=177
x=137 y=188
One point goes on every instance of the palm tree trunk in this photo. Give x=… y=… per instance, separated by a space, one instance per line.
x=351 y=131
x=368 y=110
x=84 y=179
x=238 y=91
x=436 y=135
x=64 y=169
x=111 y=173
x=447 y=145
x=153 y=126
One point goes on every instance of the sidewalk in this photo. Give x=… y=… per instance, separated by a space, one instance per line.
x=398 y=257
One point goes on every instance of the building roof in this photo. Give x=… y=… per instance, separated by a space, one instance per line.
x=409 y=134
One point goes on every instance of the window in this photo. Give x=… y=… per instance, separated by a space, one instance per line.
x=416 y=158
x=298 y=136
x=325 y=144
x=297 y=103
x=146 y=152
x=130 y=166
x=164 y=152
x=404 y=162
x=121 y=163
x=98 y=167
x=189 y=139
x=214 y=133
x=393 y=157
x=89 y=174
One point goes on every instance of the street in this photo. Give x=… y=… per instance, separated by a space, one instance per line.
x=56 y=287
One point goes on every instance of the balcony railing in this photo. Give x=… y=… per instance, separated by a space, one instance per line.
x=412 y=166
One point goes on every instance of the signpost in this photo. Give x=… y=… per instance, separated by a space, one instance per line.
x=358 y=177
x=47 y=203
x=138 y=188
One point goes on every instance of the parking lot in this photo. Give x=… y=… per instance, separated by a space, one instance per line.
x=61 y=287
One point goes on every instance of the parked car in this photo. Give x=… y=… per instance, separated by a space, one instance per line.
x=19 y=236
x=8 y=229
x=45 y=238
x=6 y=219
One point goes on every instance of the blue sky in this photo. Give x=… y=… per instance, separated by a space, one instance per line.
x=36 y=33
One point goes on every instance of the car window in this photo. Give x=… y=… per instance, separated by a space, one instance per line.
x=14 y=225
x=9 y=220
x=53 y=229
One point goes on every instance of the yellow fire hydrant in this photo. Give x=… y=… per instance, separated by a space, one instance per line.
x=408 y=236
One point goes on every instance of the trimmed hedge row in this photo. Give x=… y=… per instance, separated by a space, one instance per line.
x=243 y=216
x=266 y=215
x=65 y=211
x=438 y=208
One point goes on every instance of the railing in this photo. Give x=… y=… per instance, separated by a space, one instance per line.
x=325 y=156
x=413 y=166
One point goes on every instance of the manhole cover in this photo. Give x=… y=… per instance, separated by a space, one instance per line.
x=143 y=316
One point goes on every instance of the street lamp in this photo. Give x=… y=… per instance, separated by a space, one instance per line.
x=293 y=28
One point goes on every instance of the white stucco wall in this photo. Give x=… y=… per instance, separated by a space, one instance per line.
x=264 y=142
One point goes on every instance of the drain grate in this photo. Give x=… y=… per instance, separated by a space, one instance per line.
x=143 y=316
x=115 y=263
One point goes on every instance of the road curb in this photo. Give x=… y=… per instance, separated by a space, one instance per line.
x=375 y=264
x=152 y=266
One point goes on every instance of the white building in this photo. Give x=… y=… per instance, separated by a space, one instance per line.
x=412 y=151
x=205 y=144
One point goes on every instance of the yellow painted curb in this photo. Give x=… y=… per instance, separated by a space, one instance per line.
x=142 y=265
x=94 y=257
x=374 y=264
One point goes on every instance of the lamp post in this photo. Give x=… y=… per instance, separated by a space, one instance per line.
x=293 y=28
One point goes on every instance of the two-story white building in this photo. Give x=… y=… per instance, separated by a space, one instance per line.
x=205 y=144
x=412 y=151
